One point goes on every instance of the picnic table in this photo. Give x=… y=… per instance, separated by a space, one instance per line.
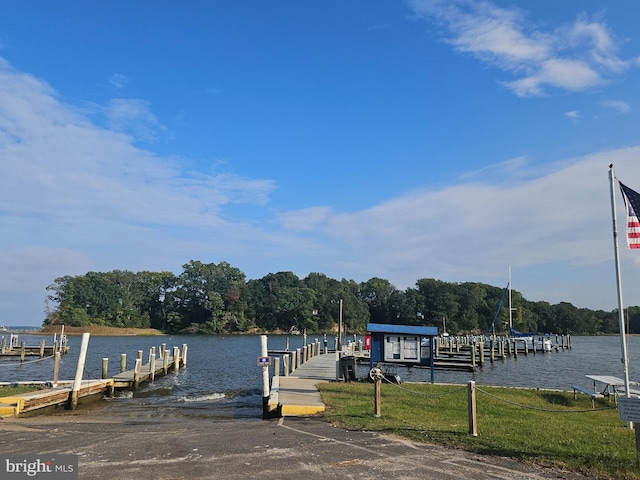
x=611 y=385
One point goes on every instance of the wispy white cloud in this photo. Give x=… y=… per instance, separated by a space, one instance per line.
x=573 y=114
x=119 y=81
x=618 y=105
x=572 y=57
x=79 y=197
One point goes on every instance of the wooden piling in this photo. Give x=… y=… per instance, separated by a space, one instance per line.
x=41 y=348
x=56 y=368
x=165 y=361
x=184 y=355
x=23 y=351
x=123 y=362
x=73 y=398
x=152 y=364
x=105 y=367
x=285 y=364
x=3 y=345
x=176 y=358
x=136 y=374
x=276 y=367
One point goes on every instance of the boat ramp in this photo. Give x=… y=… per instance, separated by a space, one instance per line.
x=66 y=394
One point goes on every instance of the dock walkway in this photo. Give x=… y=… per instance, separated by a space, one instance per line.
x=46 y=396
x=297 y=394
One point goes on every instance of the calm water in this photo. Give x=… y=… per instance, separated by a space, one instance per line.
x=223 y=381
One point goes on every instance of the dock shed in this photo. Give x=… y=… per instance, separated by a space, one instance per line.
x=408 y=345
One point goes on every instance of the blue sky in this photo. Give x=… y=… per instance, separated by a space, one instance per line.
x=363 y=138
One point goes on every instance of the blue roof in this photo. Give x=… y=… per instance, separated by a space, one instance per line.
x=402 y=329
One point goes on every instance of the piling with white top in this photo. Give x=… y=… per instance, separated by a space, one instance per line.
x=73 y=399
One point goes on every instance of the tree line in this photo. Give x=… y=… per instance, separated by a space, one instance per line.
x=217 y=298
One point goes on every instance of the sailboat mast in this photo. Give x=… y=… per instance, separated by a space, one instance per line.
x=510 y=309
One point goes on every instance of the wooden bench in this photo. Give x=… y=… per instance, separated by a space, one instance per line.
x=586 y=391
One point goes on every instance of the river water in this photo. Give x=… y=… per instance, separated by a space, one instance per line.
x=222 y=379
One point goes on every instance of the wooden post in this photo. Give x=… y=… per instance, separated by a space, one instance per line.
x=140 y=353
x=105 y=367
x=73 y=399
x=264 y=352
x=376 y=398
x=123 y=362
x=526 y=347
x=176 y=358
x=136 y=374
x=473 y=420
x=276 y=367
x=298 y=357
x=23 y=350
x=41 y=348
x=165 y=361
x=184 y=355
x=152 y=364
x=492 y=349
x=285 y=364
x=3 y=345
x=286 y=347
x=473 y=357
x=481 y=345
x=56 y=367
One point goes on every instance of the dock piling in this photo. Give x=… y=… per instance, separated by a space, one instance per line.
x=105 y=367
x=73 y=398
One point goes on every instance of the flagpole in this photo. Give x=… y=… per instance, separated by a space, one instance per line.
x=623 y=341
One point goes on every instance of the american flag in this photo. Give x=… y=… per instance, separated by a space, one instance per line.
x=632 y=202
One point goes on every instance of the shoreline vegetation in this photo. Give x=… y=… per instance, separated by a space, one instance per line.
x=541 y=427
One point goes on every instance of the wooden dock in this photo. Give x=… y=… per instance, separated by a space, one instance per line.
x=48 y=396
x=14 y=348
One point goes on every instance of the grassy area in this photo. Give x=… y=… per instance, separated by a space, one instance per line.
x=100 y=331
x=11 y=391
x=543 y=427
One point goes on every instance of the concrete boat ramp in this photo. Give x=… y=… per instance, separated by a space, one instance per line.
x=297 y=394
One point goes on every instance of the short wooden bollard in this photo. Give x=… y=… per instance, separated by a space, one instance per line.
x=123 y=362
x=473 y=419
x=140 y=353
x=285 y=364
x=105 y=368
x=41 y=348
x=481 y=345
x=299 y=360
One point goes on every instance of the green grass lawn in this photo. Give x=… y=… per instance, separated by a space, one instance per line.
x=11 y=391
x=543 y=427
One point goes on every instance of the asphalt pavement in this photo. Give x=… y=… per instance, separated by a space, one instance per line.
x=175 y=447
